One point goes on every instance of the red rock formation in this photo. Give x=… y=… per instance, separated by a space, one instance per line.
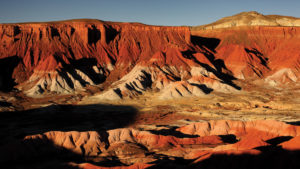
x=141 y=149
x=293 y=144
x=64 y=56
x=58 y=49
x=259 y=50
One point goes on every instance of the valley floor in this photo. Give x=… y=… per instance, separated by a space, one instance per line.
x=79 y=131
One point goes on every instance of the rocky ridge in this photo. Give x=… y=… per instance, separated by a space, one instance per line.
x=251 y=18
x=128 y=59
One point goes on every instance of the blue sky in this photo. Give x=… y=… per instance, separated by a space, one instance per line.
x=154 y=12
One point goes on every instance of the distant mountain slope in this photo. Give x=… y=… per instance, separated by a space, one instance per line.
x=251 y=19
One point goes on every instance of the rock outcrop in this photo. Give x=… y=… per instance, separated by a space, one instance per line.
x=194 y=144
x=128 y=59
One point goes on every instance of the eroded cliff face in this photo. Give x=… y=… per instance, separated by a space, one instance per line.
x=270 y=53
x=128 y=59
x=64 y=56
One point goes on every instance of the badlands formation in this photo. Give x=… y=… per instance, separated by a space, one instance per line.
x=97 y=94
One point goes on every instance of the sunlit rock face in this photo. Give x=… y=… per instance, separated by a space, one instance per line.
x=128 y=59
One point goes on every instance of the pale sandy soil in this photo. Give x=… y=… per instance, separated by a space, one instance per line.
x=254 y=104
x=275 y=104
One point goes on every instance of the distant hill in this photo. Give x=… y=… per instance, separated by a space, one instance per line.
x=251 y=19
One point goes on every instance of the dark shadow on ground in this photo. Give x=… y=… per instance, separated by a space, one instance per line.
x=254 y=52
x=65 y=118
x=7 y=66
x=209 y=43
x=5 y=104
x=14 y=126
x=207 y=48
x=94 y=35
x=172 y=132
x=37 y=153
x=203 y=87
x=277 y=140
x=271 y=156
x=296 y=123
x=230 y=138
x=110 y=33
x=43 y=153
x=275 y=158
x=85 y=65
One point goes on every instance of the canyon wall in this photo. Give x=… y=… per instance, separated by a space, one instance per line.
x=128 y=59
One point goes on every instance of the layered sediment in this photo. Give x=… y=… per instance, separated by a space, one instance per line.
x=128 y=59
